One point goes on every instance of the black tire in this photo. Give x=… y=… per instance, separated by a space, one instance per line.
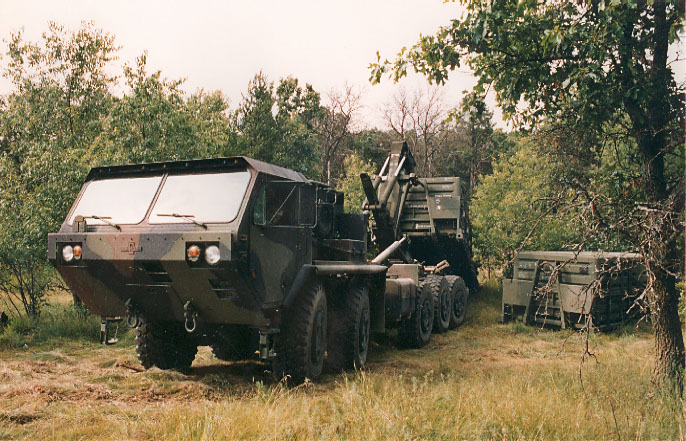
x=443 y=302
x=301 y=345
x=415 y=331
x=349 y=330
x=165 y=345
x=234 y=344
x=460 y=296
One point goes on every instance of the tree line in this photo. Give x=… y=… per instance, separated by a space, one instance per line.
x=71 y=109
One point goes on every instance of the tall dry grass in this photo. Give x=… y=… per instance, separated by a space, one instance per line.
x=483 y=381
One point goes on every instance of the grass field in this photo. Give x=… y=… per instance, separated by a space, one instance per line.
x=483 y=381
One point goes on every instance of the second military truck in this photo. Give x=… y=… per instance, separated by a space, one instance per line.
x=254 y=259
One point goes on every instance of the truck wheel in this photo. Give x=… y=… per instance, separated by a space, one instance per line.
x=165 y=345
x=301 y=345
x=460 y=295
x=349 y=331
x=234 y=344
x=443 y=302
x=415 y=331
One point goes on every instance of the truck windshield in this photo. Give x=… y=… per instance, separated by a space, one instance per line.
x=118 y=200
x=204 y=198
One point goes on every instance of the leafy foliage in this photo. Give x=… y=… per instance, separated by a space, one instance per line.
x=351 y=185
x=278 y=126
x=46 y=129
x=154 y=121
x=509 y=202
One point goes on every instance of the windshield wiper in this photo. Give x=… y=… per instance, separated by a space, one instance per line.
x=104 y=220
x=188 y=217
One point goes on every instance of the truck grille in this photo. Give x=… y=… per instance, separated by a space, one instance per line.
x=156 y=272
x=223 y=289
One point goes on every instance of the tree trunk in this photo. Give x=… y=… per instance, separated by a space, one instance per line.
x=660 y=244
x=661 y=248
x=670 y=355
x=668 y=372
x=326 y=167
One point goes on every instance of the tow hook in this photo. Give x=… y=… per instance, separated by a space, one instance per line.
x=133 y=319
x=190 y=315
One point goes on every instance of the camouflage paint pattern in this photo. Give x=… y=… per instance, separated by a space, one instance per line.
x=147 y=263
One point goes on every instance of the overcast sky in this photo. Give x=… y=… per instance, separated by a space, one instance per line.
x=222 y=44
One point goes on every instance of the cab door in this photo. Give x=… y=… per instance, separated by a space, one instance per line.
x=283 y=215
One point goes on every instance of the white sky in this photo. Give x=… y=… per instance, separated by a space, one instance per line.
x=222 y=44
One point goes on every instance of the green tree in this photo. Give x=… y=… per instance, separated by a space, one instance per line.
x=516 y=196
x=588 y=66
x=479 y=149
x=298 y=110
x=371 y=145
x=154 y=121
x=278 y=126
x=47 y=127
x=351 y=185
x=255 y=120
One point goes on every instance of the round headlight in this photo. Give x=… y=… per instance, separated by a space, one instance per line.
x=77 y=252
x=212 y=254
x=193 y=253
x=68 y=253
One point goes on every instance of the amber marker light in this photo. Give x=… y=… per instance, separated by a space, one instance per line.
x=193 y=253
x=77 y=252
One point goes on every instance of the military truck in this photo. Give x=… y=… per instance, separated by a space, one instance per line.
x=246 y=257
x=563 y=289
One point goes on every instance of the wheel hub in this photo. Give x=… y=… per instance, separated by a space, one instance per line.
x=458 y=306
x=363 y=337
x=318 y=337
x=445 y=307
x=426 y=316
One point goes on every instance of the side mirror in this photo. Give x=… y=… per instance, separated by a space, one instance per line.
x=79 y=224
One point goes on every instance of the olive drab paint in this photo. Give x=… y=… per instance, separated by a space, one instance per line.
x=567 y=289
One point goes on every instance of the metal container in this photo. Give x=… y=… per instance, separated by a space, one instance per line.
x=567 y=289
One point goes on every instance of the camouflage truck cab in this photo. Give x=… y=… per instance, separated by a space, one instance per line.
x=566 y=289
x=220 y=247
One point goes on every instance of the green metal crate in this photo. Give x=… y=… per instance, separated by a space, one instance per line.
x=566 y=289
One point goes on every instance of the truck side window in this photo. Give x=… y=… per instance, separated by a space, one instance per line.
x=282 y=203
x=285 y=203
x=277 y=204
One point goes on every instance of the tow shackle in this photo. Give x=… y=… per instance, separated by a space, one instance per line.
x=190 y=315
x=133 y=318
